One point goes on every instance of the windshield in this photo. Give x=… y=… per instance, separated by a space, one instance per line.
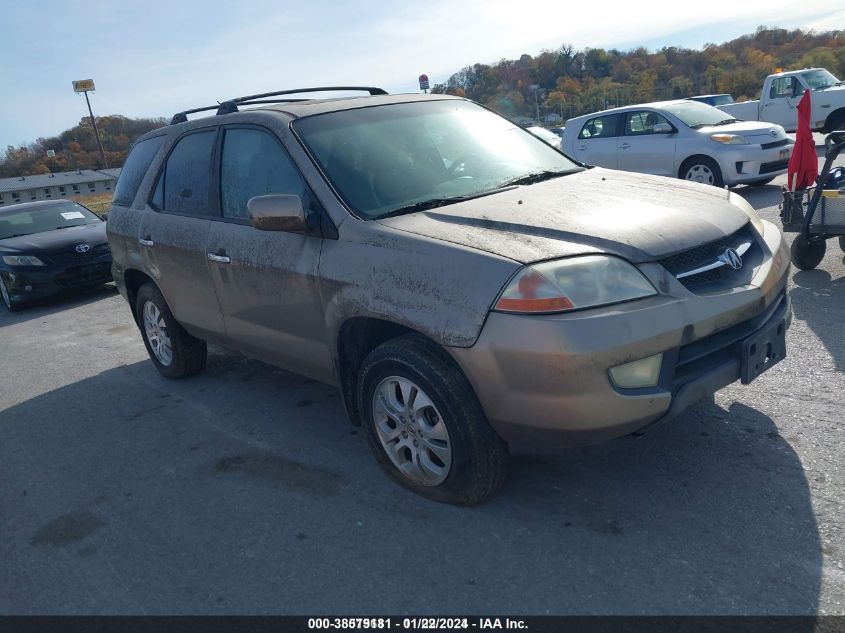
x=695 y=114
x=817 y=79
x=392 y=158
x=39 y=219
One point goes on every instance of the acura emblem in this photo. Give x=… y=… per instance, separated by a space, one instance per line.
x=731 y=258
x=82 y=248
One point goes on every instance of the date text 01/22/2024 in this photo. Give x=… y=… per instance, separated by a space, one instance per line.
x=412 y=624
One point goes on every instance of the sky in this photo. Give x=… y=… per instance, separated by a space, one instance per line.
x=154 y=58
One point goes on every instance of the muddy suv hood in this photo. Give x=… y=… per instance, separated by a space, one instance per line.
x=642 y=218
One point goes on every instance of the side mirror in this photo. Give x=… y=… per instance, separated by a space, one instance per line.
x=276 y=212
x=662 y=128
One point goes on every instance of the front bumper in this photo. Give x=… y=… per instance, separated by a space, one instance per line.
x=30 y=283
x=749 y=163
x=543 y=380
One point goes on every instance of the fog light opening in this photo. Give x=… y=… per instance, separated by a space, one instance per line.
x=637 y=374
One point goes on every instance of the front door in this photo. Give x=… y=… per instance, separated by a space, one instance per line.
x=781 y=107
x=173 y=234
x=267 y=281
x=642 y=150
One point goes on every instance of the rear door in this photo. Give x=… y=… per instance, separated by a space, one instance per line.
x=173 y=237
x=641 y=150
x=267 y=281
x=596 y=141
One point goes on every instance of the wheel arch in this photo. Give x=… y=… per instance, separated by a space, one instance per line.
x=134 y=279
x=691 y=158
x=833 y=117
x=356 y=338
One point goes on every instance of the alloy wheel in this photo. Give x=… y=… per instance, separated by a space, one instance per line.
x=156 y=330
x=7 y=300
x=412 y=431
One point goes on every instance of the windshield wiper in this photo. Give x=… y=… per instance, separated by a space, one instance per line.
x=726 y=121
x=538 y=176
x=433 y=203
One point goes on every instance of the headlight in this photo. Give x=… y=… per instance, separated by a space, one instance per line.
x=572 y=284
x=729 y=139
x=22 y=260
x=743 y=205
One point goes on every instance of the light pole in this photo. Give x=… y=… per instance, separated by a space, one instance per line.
x=536 y=89
x=83 y=86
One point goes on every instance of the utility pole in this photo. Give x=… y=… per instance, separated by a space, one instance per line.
x=536 y=89
x=84 y=86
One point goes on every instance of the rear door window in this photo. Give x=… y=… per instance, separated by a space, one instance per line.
x=600 y=127
x=136 y=167
x=185 y=183
x=253 y=164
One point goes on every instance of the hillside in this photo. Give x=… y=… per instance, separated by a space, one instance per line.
x=76 y=148
x=573 y=82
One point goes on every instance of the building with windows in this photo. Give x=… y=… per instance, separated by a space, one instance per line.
x=83 y=182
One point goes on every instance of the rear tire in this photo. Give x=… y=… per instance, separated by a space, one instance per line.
x=174 y=352
x=414 y=398
x=807 y=254
x=842 y=243
x=11 y=306
x=703 y=170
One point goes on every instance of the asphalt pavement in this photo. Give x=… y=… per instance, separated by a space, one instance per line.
x=246 y=490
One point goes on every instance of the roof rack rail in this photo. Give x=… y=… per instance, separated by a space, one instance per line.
x=181 y=117
x=227 y=107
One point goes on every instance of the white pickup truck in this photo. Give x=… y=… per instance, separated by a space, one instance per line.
x=783 y=91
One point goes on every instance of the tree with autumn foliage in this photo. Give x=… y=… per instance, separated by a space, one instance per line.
x=574 y=82
x=76 y=148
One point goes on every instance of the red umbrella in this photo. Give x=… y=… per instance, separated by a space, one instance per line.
x=803 y=164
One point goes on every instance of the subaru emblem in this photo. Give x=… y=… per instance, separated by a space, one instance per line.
x=731 y=258
x=82 y=248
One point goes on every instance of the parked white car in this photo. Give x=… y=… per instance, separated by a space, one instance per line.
x=681 y=139
x=781 y=94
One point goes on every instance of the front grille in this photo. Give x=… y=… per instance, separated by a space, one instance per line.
x=775 y=165
x=773 y=144
x=72 y=257
x=707 y=254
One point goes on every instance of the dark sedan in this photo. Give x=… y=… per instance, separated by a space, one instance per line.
x=48 y=247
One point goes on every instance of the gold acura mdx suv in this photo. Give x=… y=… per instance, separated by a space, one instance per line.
x=471 y=290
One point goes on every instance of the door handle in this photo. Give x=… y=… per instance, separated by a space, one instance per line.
x=625 y=145
x=146 y=241
x=220 y=259
x=582 y=147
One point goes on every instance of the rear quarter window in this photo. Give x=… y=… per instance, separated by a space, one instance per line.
x=133 y=171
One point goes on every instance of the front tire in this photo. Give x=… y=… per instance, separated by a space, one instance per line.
x=702 y=170
x=425 y=425
x=842 y=243
x=174 y=352
x=807 y=254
